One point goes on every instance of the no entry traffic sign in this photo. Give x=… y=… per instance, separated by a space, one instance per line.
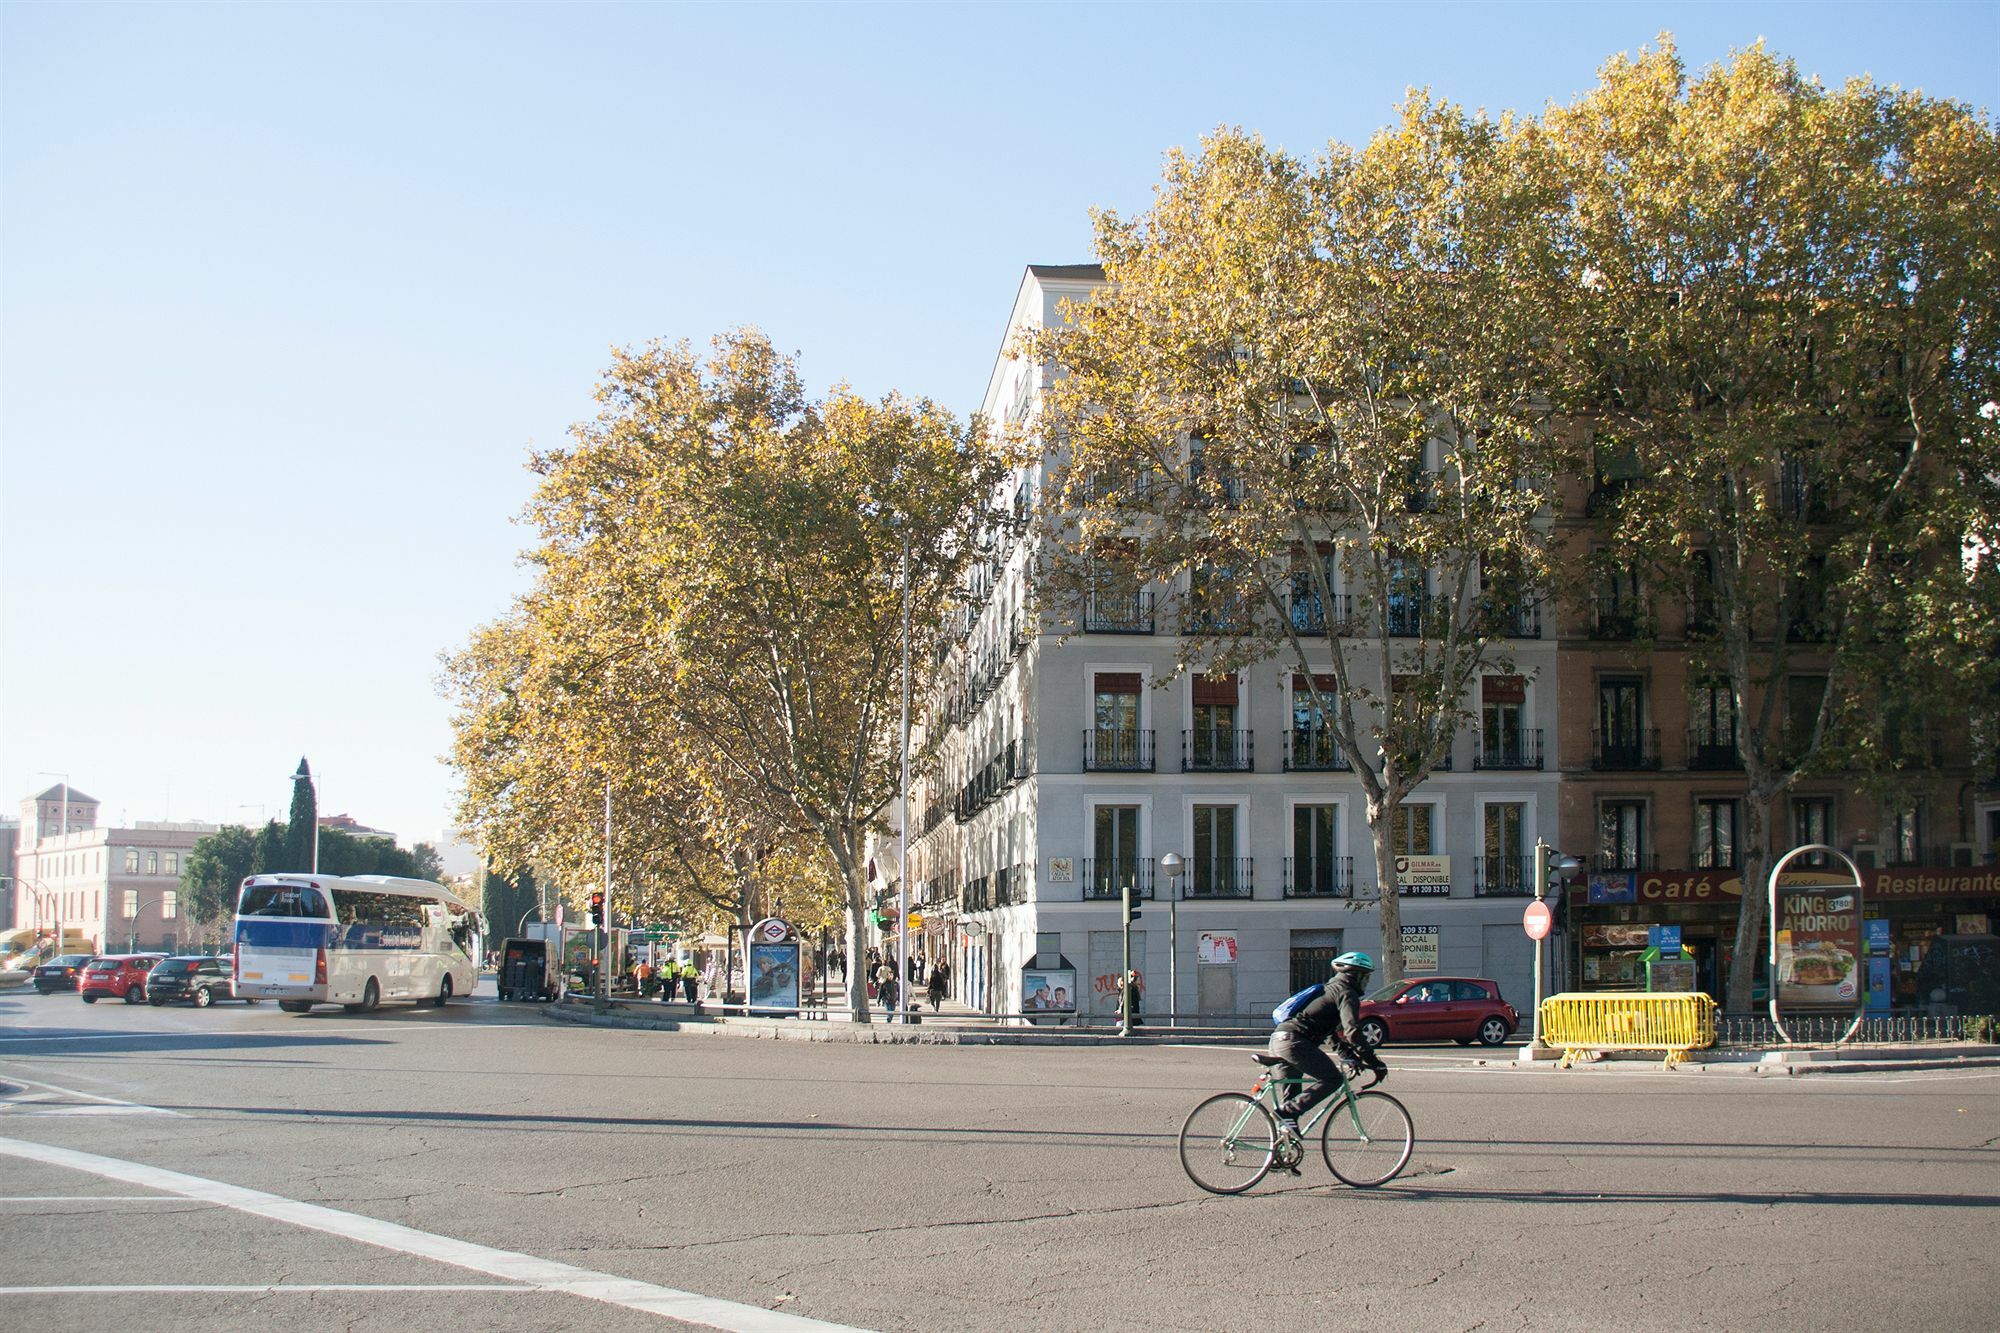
x=1536 y=920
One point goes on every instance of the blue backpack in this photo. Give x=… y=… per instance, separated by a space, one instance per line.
x=1290 y=1008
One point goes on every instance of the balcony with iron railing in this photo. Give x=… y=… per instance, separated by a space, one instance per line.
x=1516 y=620
x=1408 y=613
x=1309 y=613
x=1218 y=750
x=1503 y=876
x=1319 y=877
x=1106 y=877
x=1117 y=750
x=1624 y=859
x=1625 y=751
x=1518 y=748
x=1123 y=613
x=1314 y=749
x=1219 y=877
x=1713 y=749
x=1010 y=886
x=1616 y=616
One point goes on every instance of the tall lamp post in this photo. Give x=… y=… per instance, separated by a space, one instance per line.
x=1173 y=865
x=1547 y=861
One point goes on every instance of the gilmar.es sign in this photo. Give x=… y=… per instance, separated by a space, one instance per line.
x=1423 y=876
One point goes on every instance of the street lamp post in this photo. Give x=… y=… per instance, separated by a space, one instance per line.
x=903 y=819
x=1173 y=865
x=1547 y=859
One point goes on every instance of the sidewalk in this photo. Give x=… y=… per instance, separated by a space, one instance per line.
x=955 y=1024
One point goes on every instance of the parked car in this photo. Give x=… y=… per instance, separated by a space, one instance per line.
x=1463 y=1009
x=60 y=973
x=120 y=975
x=198 y=979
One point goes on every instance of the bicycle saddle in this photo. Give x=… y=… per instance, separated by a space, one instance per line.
x=1266 y=1058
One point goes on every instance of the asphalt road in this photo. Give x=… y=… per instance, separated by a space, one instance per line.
x=478 y=1168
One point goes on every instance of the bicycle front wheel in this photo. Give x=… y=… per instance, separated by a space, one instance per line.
x=1227 y=1143
x=1378 y=1151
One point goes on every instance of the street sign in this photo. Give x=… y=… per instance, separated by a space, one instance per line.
x=1537 y=920
x=916 y=921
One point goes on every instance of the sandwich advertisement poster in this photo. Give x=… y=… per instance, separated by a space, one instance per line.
x=1819 y=948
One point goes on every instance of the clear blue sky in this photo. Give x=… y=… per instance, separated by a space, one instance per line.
x=287 y=292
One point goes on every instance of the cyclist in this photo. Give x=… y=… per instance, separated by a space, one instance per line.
x=1335 y=1015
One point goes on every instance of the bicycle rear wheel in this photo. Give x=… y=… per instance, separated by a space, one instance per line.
x=1379 y=1151
x=1227 y=1143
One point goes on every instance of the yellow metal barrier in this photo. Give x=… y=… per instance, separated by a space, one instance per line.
x=1586 y=1024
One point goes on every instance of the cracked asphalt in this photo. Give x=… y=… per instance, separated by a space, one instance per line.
x=922 y=1187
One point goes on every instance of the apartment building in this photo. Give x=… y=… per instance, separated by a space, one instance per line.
x=1072 y=756
x=119 y=886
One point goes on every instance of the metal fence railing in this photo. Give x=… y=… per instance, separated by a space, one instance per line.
x=1757 y=1030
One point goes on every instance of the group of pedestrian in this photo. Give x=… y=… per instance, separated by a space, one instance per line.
x=682 y=977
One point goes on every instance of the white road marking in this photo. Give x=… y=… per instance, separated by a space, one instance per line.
x=39 y=1103
x=92 y=1198
x=540 y=1274
x=252 y=1287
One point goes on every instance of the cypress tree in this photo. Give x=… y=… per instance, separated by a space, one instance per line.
x=304 y=818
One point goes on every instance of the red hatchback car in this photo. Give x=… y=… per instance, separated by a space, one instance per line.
x=119 y=976
x=1463 y=1009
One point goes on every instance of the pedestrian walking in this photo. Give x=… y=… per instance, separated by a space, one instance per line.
x=1133 y=990
x=691 y=985
x=936 y=986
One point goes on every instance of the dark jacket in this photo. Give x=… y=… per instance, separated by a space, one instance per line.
x=1336 y=1013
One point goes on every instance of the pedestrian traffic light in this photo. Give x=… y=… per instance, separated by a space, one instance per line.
x=1131 y=903
x=596 y=909
x=883 y=920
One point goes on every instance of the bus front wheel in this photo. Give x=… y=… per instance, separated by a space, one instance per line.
x=444 y=991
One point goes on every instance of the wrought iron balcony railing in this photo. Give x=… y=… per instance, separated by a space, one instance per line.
x=1218 y=877
x=1117 y=750
x=1319 y=877
x=1106 y=877
x=1218 y=750
x=1314 y=749
x=1520 y=748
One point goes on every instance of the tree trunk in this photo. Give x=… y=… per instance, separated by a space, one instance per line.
x=1739 y=993
x=1389 y=906
x=857 y=941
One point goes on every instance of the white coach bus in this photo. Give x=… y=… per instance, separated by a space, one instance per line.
x=353 y=941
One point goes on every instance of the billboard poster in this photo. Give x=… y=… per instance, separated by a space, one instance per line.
x=774 y=975
x=1420 y=948
x=1215 y=946
x=1048 y=990
x=1618 y=887
x=1819 y=947
x=1613 y=935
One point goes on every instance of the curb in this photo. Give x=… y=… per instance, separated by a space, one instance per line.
x=1748 y=1063
x=891 y=1034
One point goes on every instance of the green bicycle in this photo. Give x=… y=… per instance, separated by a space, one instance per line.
x=1231 y=1141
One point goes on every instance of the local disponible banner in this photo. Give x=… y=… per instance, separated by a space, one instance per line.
x=1420 y=948
x=1819 y=948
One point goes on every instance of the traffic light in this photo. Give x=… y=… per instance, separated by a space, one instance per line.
x=596 y=917
x=1131 y=903
x=883 y=920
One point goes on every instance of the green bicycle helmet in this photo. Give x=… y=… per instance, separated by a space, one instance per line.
x=1360 y=962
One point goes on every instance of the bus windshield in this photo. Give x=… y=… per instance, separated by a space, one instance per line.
x=293 y=900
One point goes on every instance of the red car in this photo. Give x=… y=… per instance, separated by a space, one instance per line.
x=1463 y=1009
x=119 y=976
